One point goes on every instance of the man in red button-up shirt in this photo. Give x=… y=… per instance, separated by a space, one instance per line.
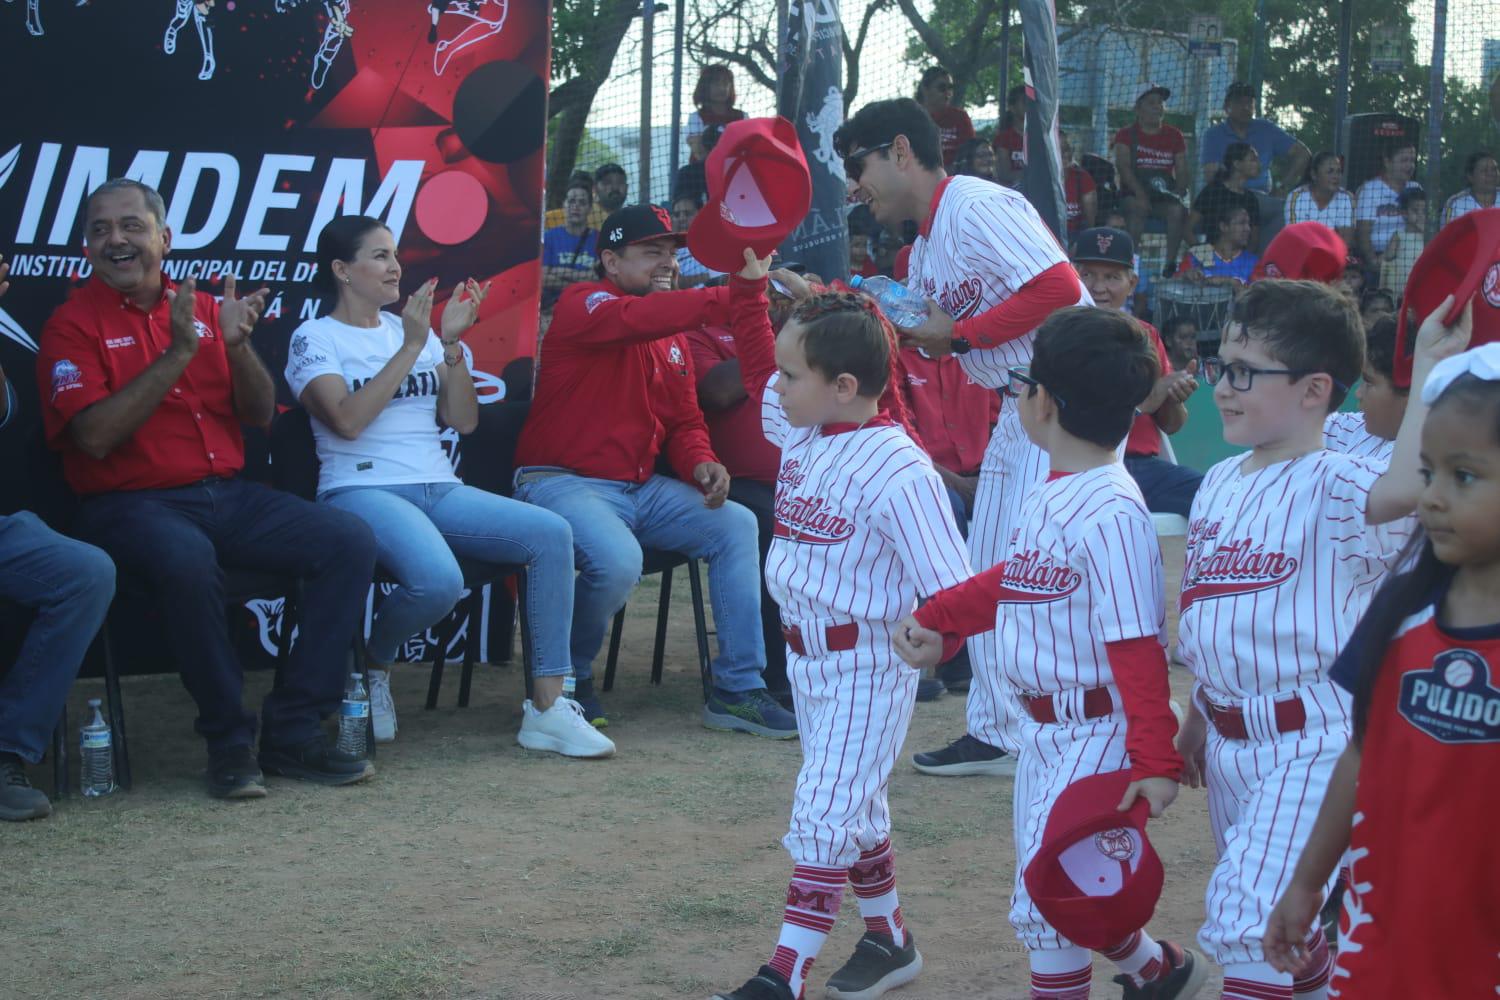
x=144 y=385
x=615 y=390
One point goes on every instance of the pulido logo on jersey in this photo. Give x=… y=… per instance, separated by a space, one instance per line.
x=1454 y=702
x=1033 y=578
x=1241 y=567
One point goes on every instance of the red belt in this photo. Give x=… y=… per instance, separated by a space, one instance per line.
x=836 y=638
x=1097 y=703
x=1290 y=716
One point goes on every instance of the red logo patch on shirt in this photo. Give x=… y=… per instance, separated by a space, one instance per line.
x=1032 y=578
x=1492 y=285
x=596 y=300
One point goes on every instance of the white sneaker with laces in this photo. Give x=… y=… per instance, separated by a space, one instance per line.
x=382 y=706
x=562 y=729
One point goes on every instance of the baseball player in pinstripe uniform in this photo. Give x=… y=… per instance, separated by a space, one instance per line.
x=1370 y=432
x=1077 y=609
x=863 y=529
x=992 y=272
x=1285 y=547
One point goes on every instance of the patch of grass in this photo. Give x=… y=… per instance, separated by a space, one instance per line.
x=407 y=969
x=713 y=913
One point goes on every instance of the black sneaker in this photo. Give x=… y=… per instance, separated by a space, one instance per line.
x=234 y=774
x=965 y=756
x=766 y=984
x=587 y=700
x=1189 y=972
x=318 y=761
x=929 y=689
x=876 y=966
x=18 y=799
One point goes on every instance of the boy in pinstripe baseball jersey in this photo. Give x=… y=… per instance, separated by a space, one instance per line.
x=863 y=529
x=1285 y=547
x=1077 y=609
x=992 y=272
x=1369 y=432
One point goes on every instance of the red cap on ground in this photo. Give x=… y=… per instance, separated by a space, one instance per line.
x=1096 y=878
x=1304 y=250
x=759 y=190
x=1463 y=260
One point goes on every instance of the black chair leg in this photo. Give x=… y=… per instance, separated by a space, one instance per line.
x=614 y=649
x=474 y=608
x=119 y=740
x=439 y=659
x=524 y=625
x=503 y=610
x=663 y=606
x=60 y=756
x=700 y=627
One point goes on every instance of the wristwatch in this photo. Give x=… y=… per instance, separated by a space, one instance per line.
x=960 y=345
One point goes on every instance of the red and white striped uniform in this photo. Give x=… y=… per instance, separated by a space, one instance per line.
x=863 y=528
x=984 y=243
x=1346 y=433
x=1280 y=565
x=1083 y=570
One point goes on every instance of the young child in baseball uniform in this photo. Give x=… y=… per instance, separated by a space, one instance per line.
x=1369 y=431
x=863 y=529
x=1420 y=916
x=1079 y=618
x=1285 y=547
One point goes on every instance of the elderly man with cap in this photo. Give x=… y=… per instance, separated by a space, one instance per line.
x=615 y=392
x=1104 y=259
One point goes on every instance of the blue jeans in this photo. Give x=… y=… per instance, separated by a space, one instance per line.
x=419 y=529
x=1168 y=488
x=179 y=541
x=612 y=521
x=70 y=585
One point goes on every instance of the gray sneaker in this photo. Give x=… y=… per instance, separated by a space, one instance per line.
x=876 y=967
x=18 y=800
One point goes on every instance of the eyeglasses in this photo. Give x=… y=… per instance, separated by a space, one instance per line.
x=854 y=163
x=1242 y=376
x=1020 y=380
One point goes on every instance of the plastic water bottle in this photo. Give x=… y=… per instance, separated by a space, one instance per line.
x=96 y=770
x=354 y=718
x=902 y=306
x=570 y=686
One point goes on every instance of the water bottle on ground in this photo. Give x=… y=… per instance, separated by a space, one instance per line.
x=570 y=686
x=902 y=306
x=96 y=769
x=354 y=718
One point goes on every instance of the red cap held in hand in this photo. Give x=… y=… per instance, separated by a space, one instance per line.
x=759 y=190
x=1463 y=260
x=1096 y=878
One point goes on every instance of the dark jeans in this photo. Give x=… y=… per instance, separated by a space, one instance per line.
x=180 y=541
x=69 y=585
x=760 y=498
x=1168 y=488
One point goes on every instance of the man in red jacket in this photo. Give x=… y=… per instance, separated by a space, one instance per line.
x=614 y=391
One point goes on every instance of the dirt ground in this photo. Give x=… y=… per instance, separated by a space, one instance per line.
x=470 y=868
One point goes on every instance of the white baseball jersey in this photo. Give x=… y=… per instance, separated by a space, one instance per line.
x=1083 y=569
x=984 y=243
x=863 y=524
x=863 y=528
x=1280 y=565
x=1346 y=434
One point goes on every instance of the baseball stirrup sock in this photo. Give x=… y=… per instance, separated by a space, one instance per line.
x=1143 y=959
x=812 y=905
x=1255 y=981
x=874 y=879
x=1313 y=984
x=1057 y=975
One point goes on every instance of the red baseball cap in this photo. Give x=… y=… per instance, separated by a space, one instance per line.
x=1096 y=878
x=1463 y=260
x=1304 y=250
x=759 y=190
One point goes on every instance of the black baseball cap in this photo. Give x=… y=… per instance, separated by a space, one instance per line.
x=637 y=224
x=1104 y=244
x=1238 y=88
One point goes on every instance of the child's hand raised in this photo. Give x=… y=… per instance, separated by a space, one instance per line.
x=1436 y=341
x=755 y=268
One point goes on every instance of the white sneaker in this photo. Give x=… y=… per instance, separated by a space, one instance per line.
x=382 y=706
x=562 y=729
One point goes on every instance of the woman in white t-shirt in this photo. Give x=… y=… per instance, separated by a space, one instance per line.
x=1377 y=215
x=378 y=386
x=1321 y=197
x=1483 y=176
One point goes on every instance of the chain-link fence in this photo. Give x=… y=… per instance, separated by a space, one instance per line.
x=1342 y=107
